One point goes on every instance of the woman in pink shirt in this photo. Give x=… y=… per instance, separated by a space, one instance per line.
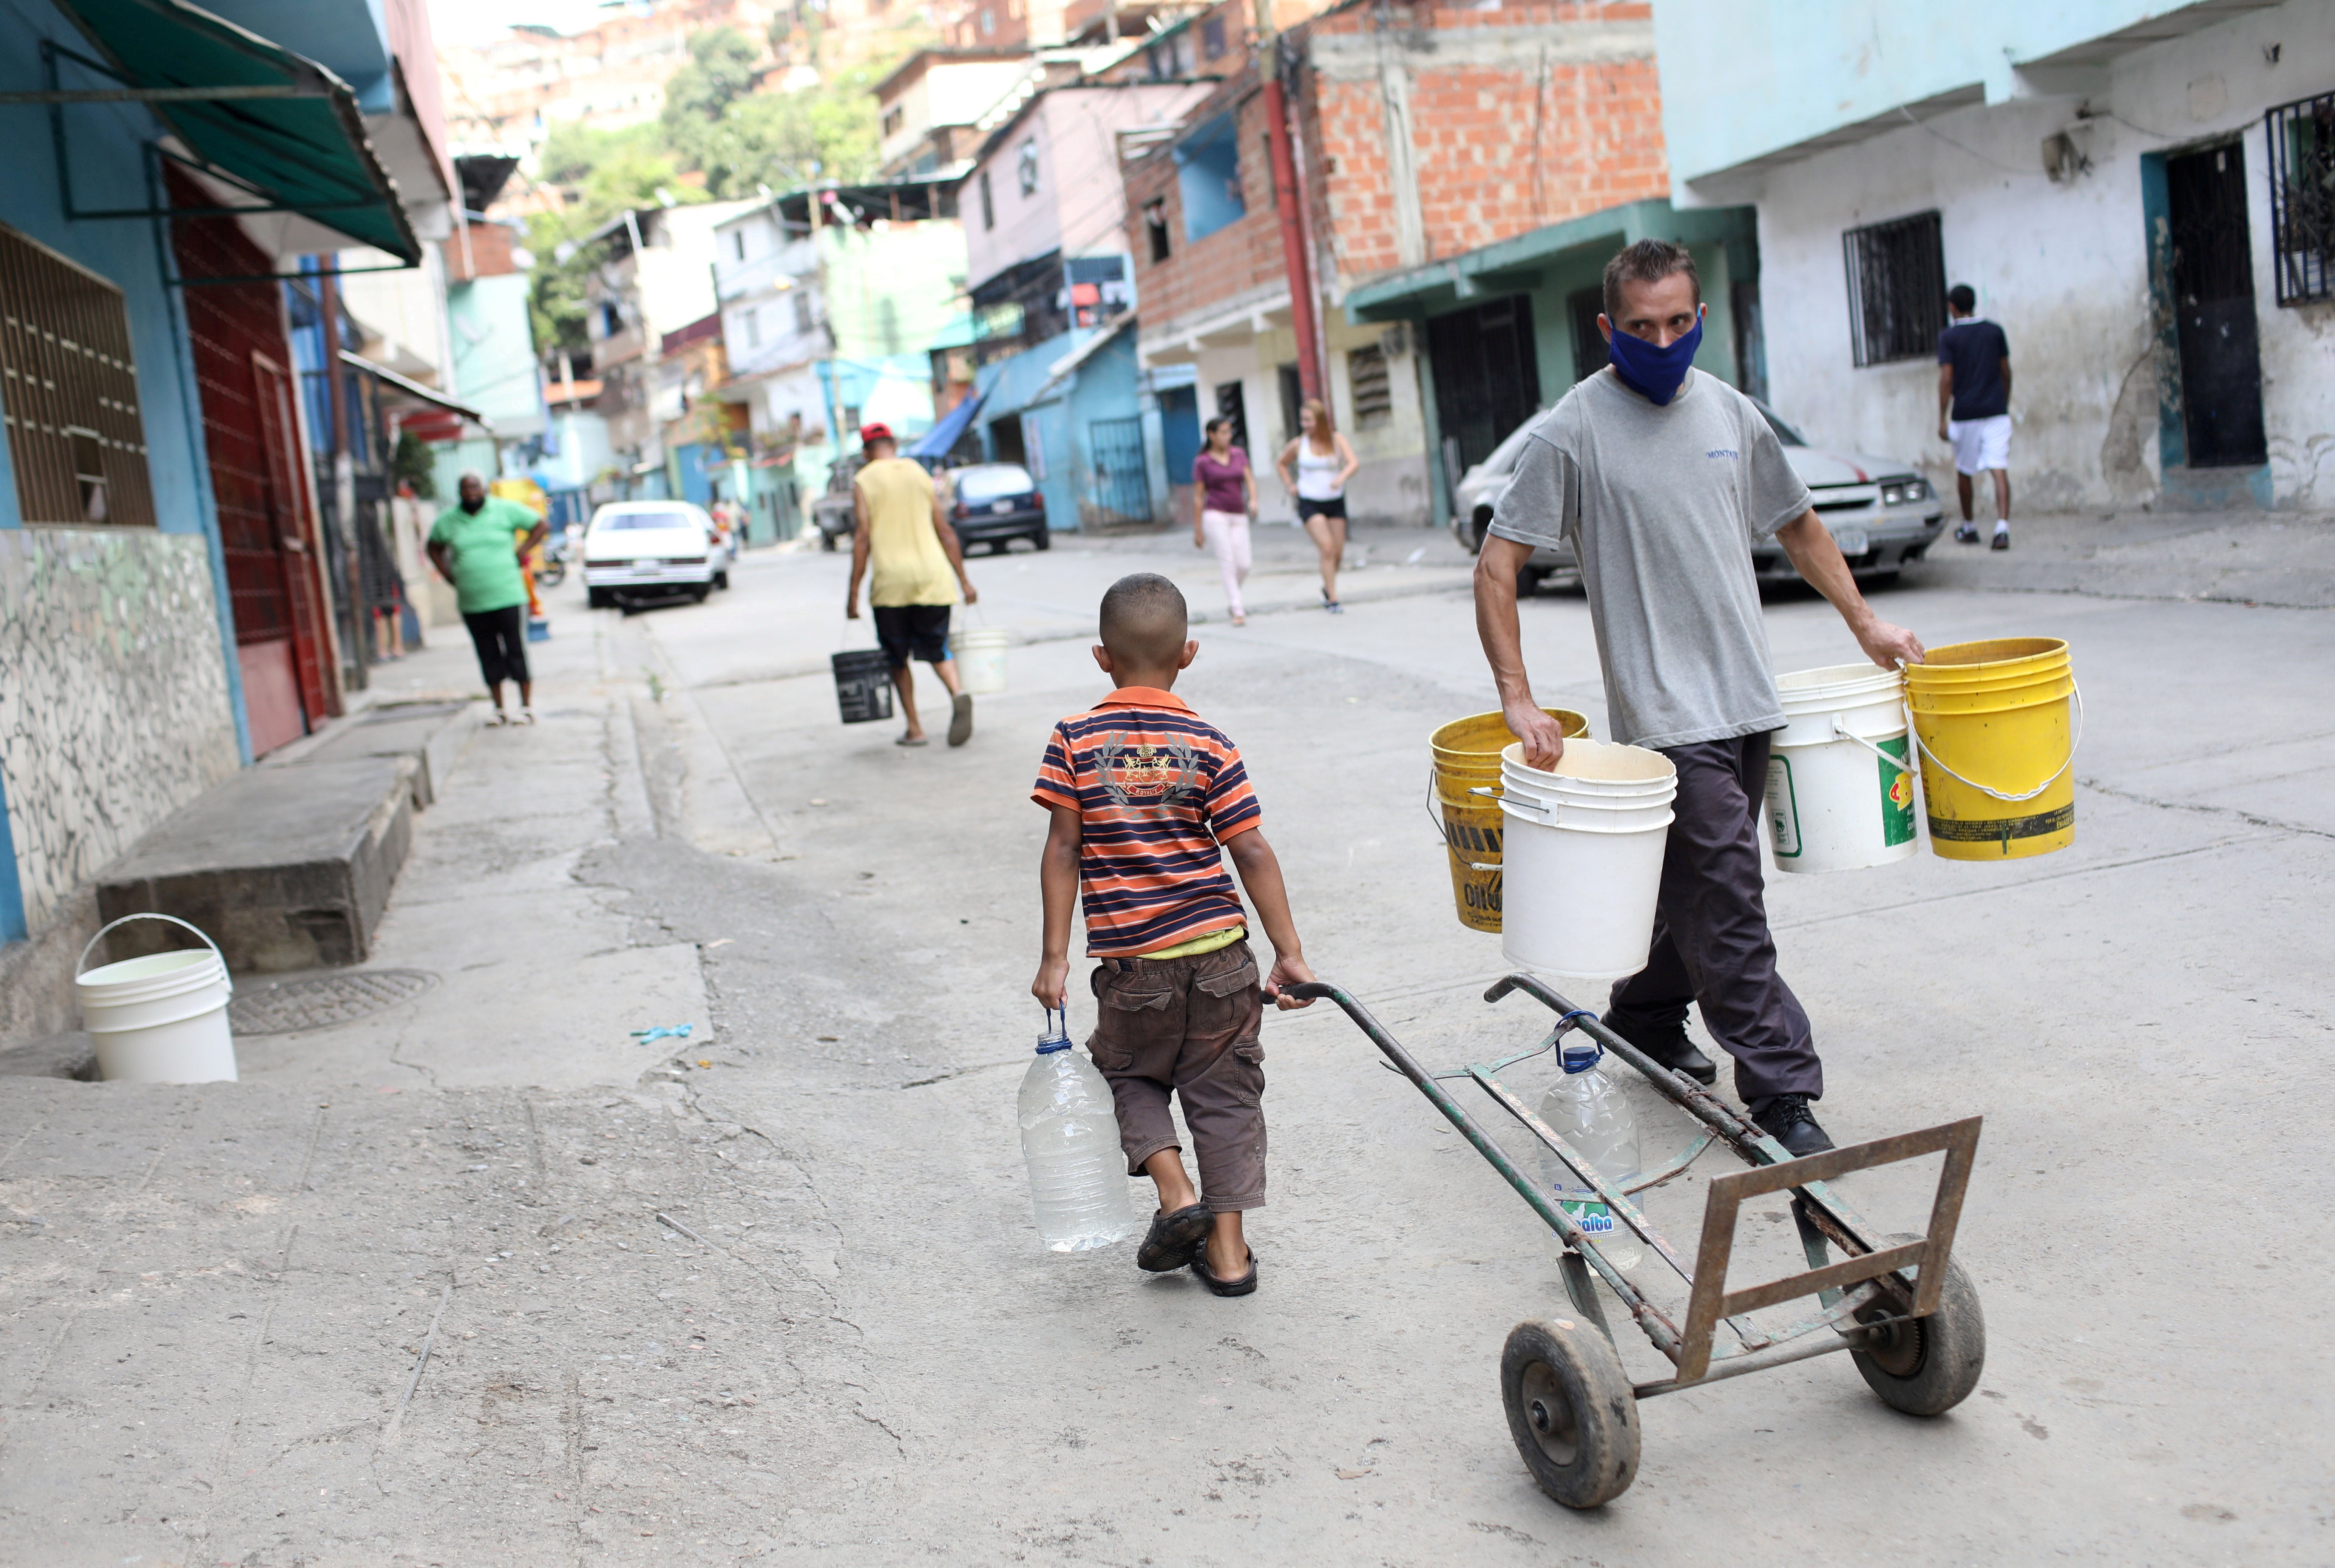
x=1224 y=503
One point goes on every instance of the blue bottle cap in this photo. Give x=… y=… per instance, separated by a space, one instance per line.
x=1058 y=1032
x=1580 y=1055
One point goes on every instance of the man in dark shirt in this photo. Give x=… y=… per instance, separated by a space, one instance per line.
x=1974 y=409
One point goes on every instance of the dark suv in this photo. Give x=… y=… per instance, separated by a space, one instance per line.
x=997 y=503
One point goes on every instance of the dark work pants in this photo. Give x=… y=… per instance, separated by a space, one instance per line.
x=500 y=637
x=1711 y=942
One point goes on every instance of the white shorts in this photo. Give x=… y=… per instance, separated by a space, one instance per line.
x=1980 y=444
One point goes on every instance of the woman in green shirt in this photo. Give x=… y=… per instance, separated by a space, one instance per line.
x=471 y=545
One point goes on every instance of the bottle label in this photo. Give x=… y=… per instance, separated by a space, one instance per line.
x=1594 y=1218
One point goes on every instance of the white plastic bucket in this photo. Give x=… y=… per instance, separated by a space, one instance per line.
x=1839 y=795
x=980 y=655
x=1582 y=860
x=160 y=1019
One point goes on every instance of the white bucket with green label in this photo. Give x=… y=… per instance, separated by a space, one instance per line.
x=1839 y=795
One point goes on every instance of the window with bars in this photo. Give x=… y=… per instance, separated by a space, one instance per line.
x=1367 y=388
x=69 y=387
x=2302 y=139
x=1896 y=289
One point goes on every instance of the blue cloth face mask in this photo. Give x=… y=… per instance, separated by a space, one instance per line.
x=1655 y=373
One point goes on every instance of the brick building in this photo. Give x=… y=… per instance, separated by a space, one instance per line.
x=1461 y=171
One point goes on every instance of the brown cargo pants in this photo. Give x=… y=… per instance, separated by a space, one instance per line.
x=1187 y=1026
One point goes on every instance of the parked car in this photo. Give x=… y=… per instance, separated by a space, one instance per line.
x=1882 y=514
x=995 y=504
x=653 y=549
x=833 y=512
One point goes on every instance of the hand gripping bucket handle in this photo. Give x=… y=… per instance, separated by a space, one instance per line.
x=82 y=964
x=1915 y=734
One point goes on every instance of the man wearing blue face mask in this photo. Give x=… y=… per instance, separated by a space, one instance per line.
x=1662 y=477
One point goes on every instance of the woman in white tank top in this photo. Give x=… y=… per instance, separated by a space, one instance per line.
x=1315 y=468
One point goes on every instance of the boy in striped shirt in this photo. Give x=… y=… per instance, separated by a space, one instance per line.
x=1147 y=800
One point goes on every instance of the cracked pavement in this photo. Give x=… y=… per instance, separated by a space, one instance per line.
x=770 y=1293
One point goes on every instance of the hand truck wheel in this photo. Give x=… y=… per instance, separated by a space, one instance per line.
x=1571 y=1410
x=1930 y=1365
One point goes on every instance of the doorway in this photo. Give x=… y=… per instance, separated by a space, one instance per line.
x=1486 y=375
x=1590 y=354
x=2214 y=330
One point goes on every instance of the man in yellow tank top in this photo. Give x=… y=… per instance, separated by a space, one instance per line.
x=919 y=570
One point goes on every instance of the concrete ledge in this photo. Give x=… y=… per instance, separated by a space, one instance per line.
x=433 y=733
x=284 y=868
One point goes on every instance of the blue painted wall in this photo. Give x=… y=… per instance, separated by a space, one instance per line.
x=109 y=171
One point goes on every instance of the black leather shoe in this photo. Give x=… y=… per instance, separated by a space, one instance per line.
x=1670 y=1047
x=1788 y=1120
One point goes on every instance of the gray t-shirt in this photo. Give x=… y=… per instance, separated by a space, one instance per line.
x=1662 y=505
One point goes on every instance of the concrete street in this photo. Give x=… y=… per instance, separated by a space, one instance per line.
x=772 y=1292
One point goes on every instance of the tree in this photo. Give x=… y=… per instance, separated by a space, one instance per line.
x=721 y=71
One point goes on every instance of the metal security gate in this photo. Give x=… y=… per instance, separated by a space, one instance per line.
x=1121 y=491
x=2213 y=308
x=1486 y=376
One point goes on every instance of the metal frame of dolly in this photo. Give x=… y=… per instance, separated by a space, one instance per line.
x=1875 y=1310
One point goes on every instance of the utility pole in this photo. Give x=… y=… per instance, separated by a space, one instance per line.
x=1287 y=202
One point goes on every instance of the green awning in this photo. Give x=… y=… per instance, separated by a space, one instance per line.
x=304 y=150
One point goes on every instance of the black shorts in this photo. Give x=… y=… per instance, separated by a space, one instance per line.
x=908 y=632
x=1333 y=508
x=501 y=638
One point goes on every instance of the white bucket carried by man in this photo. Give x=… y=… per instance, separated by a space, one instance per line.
x=1584 y=858
x=1840 y=794
x=160 y=1019
x=980 y=655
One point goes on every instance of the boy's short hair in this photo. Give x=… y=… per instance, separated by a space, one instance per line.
x=1144 y=620
x=1962 y=297
x=1648 y=261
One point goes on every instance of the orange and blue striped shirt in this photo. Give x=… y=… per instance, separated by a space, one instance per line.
x=1157 y=793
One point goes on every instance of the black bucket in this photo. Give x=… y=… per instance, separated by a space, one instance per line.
x=863 y=685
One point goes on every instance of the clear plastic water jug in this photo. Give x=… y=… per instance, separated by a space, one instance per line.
x=1588 y=1110
x=1070 y=1140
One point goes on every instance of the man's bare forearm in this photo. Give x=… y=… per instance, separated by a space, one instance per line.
x=1811 y=546
x=1496 y=616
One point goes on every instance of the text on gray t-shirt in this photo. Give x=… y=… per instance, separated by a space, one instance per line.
x=1662 y=505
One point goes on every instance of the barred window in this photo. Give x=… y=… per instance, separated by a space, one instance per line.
x=1366 y=387
x=69 y=387
x=1896 y=288
x=2303 y=199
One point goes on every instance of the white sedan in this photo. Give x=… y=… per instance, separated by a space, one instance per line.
x=653 y=549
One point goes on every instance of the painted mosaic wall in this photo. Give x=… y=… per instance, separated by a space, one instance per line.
x=113 y=701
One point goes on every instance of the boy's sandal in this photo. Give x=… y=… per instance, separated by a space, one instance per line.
x=1176 y=1239
x=1239 y=1287
x=912 y=740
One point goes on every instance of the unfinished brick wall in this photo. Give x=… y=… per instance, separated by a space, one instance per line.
x=1521 y=116
x=1242 y=255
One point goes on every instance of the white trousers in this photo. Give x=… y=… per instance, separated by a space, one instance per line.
x=1227 y=536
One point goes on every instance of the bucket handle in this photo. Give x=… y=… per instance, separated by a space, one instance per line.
x=79 y=963
x=1442 y=829
x=1915 y=734
x=1841 y=732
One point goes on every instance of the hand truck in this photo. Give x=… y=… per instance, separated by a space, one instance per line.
x=1899 y=1304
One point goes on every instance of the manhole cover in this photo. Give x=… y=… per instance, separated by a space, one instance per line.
x=323 y=1001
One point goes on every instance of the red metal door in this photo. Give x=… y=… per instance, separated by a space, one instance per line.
x=295 y=528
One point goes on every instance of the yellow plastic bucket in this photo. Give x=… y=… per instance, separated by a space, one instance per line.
x=1466 y=758
x=1996 y=723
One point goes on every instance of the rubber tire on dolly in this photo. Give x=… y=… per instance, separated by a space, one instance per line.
x=1927 y=1367
x=1571 y=1410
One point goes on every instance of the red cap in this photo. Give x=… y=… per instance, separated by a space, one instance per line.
x=875 y=432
